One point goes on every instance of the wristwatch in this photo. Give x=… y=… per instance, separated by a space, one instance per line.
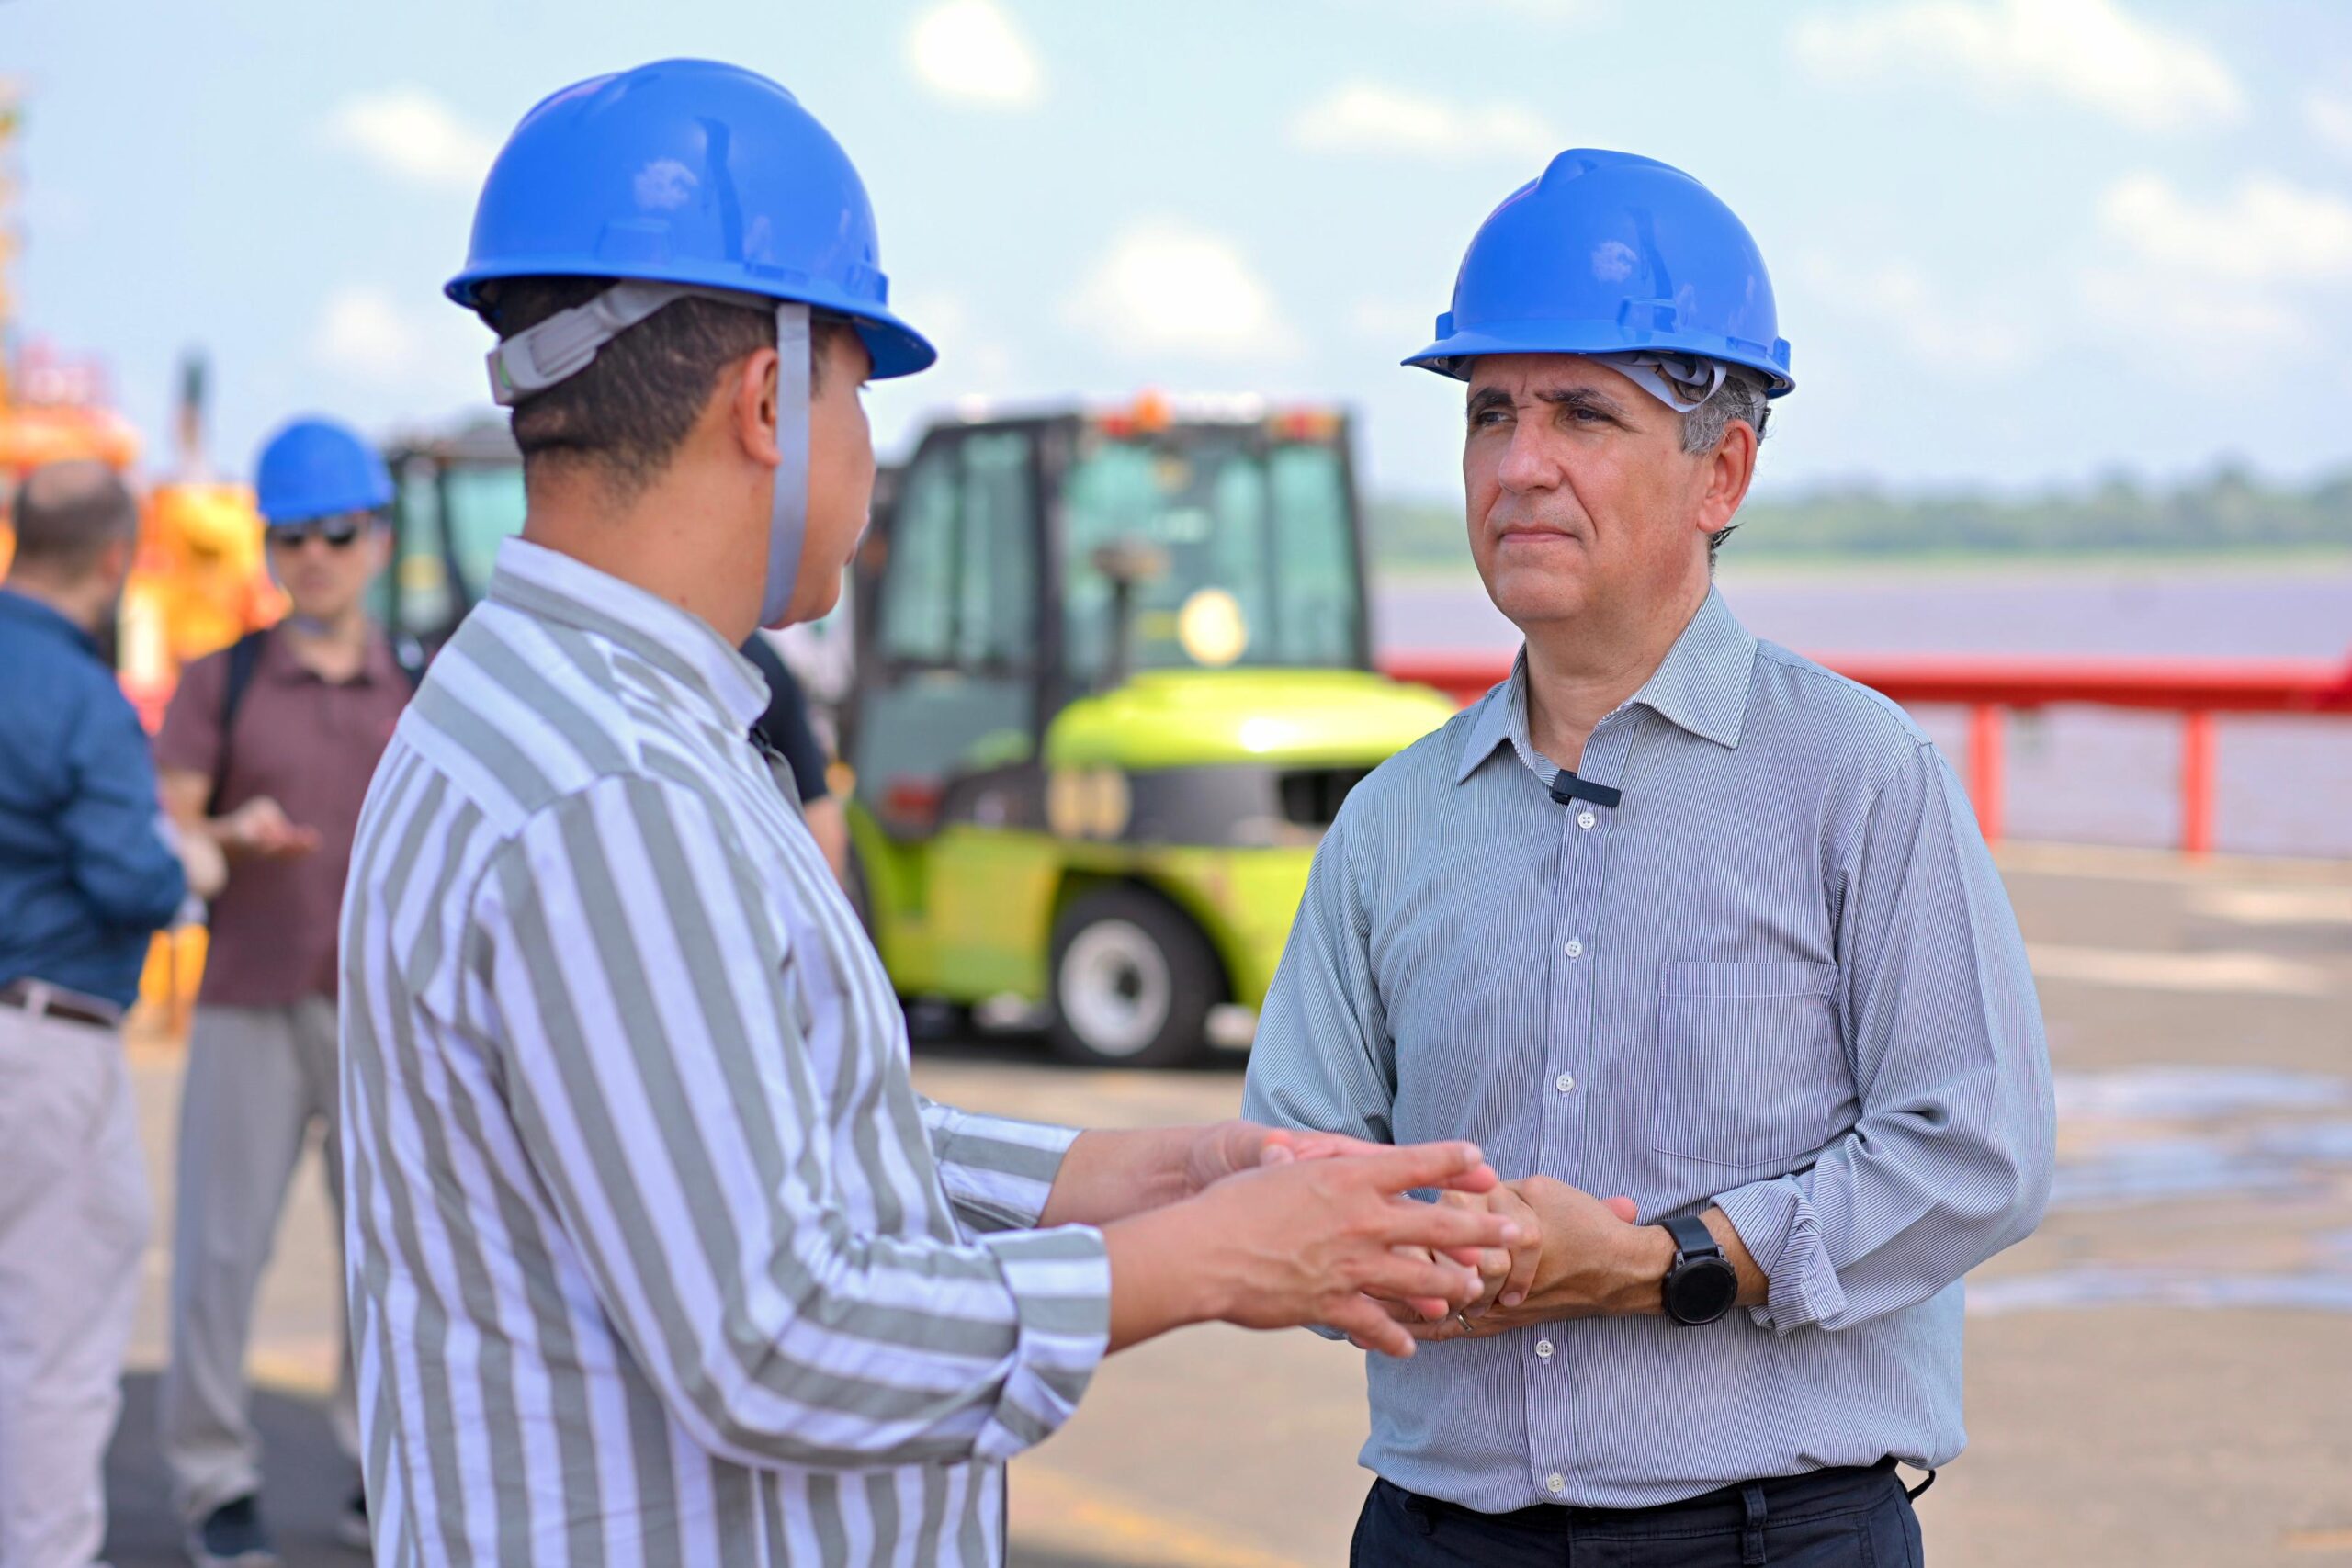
x=1701 y=1285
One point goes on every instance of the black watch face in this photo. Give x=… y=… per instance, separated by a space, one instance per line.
x=1702 y=1290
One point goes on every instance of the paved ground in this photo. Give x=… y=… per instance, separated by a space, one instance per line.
x=2162 y=1376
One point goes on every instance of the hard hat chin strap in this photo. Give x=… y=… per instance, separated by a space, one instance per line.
x=788 y=512
x=567 y=343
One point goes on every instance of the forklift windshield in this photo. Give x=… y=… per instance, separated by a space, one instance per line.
x=1249 y=546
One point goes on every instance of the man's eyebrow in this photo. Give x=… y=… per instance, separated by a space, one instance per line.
x=1484 y=398
x=1582 y=397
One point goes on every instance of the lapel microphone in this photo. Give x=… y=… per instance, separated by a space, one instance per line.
x=1567 y=786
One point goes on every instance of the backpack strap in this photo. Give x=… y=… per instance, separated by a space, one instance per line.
x=244 y=657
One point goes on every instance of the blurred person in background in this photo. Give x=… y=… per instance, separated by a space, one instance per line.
x=626 y=1088
x=1736 y=949
x=267 y=751
x=784 y=728
x=89 y=869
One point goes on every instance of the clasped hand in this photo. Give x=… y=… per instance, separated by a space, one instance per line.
x=1581 y=1256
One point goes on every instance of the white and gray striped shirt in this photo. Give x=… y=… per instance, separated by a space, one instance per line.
x=655 y=1255
x=1781 y=976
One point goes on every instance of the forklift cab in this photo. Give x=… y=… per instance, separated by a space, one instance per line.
x=1112 y=682
x=456 y=499
x=989 y=588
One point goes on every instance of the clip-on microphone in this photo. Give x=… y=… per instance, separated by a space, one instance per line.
x=1567 y=786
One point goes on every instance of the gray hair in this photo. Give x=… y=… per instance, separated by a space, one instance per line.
x=1741 y=396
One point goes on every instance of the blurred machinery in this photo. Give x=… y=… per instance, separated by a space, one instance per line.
x=198 y=582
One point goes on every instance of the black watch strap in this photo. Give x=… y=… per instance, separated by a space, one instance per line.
x=1701 y=1286
x=1692 y=1239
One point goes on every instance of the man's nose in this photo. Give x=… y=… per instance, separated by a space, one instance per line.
x=1529 y=463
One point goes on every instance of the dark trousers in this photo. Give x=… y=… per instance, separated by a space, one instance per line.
x=1831 y=1518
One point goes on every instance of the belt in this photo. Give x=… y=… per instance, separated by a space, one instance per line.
x=1781 y=1494
x=42 y=999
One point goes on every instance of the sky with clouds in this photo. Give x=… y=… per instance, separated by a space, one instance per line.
x=2016 y=243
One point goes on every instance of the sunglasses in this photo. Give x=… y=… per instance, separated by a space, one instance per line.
x=339 y=532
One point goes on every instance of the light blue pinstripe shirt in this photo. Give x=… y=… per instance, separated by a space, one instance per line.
x=1781 y=976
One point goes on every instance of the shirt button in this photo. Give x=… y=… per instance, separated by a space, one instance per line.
x=1544 y=1349
x=1585 y=820
x=1575 y=948
x=1556 y=1483
x=1565 y=1082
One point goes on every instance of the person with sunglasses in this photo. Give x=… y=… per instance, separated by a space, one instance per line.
x=267 y=748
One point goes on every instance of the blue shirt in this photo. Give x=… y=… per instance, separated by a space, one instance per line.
x=1781 y=976
x=86 y=875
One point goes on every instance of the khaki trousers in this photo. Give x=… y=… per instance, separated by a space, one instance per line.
x=74 y=1211
x=258 y=1079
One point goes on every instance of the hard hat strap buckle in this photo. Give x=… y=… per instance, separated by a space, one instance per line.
x=567 y=343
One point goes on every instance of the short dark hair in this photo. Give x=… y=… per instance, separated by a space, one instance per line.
x=65 y=514
x=631 y=408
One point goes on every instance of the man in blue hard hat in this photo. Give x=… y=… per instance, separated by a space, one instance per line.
x=1736 y=956
x=267 y=751
x=656 y=1256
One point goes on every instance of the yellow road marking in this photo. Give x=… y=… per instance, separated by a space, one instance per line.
x=1056 y=1511
x=2319 y=1540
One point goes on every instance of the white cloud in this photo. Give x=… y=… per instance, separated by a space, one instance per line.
x=1166 y=288
x=969 y=50
x=1369 y=117
x=362 y=332
x=414 y=136
x=367 y=336
x=2161 y=313
x=1898 y=304
x=2329 y=120
x=2266 y=231
x=1401 y=324
x=969 y=355
x=2092 y=51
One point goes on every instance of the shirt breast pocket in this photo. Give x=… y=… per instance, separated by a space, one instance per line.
x=1751 y=1067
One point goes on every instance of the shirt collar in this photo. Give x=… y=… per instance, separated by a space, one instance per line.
x=280 y=663
x=1700 y=685
x=43 y=618
x=544 y=582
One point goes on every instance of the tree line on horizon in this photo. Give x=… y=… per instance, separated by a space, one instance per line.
x=2229 y=510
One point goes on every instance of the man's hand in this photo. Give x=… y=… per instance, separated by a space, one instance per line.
x=1228 y=1148
x=1586 y=1258
x=1303 y=1241
x=260 y=829
x=1115 y=1175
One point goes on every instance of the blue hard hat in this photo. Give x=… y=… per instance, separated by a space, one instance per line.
x=694 y=173
x=316 y=467
x=1607 y=253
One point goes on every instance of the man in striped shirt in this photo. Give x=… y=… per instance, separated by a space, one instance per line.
x=656 y=1256
x=1672 y=914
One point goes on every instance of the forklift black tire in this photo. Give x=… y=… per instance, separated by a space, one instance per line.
x=1133 y=982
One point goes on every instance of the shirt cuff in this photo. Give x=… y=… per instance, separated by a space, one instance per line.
x=1061 y=1281
x=997 y=1172
x=1777 y=1225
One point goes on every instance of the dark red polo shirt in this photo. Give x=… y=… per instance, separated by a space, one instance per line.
x=312 y=747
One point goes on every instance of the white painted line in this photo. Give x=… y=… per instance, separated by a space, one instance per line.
x=2257 y=972
x=2275 y=906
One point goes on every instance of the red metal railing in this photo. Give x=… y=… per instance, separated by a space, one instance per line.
x=1990 y=687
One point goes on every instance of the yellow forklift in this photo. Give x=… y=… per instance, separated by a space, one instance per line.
x=1113 y=679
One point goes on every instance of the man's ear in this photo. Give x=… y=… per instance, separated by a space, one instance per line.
x=1729 y=470
x=750 y=396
